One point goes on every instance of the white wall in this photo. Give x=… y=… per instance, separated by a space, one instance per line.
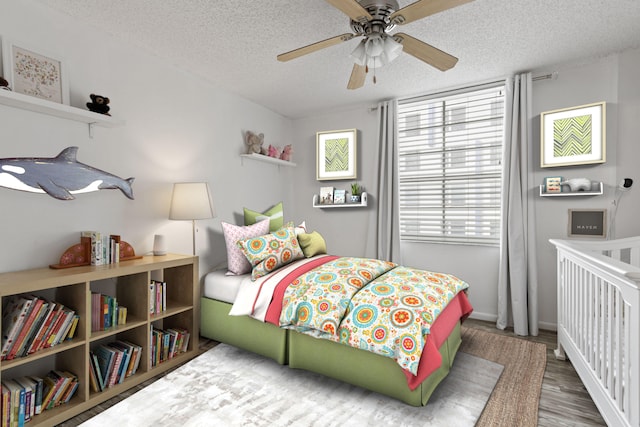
x=177 y=128
x=345 y=230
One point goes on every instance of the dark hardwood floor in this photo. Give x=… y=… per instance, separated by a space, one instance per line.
x=564 y=401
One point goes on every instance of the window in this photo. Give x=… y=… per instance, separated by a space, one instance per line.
x=449 y=155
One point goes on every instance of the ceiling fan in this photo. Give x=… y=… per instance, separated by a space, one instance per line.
x=372 y=20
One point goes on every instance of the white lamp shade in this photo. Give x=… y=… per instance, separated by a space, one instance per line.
x=191 y=200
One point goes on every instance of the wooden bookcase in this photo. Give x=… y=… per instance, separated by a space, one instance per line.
x=129 y=283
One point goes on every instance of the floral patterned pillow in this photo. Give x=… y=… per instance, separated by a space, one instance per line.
x=271 y=251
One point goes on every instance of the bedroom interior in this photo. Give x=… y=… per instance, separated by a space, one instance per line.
x=183 y=93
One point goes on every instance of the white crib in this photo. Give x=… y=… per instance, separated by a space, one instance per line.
x=599 y=323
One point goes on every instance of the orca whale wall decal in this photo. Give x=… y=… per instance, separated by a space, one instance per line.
x=60 y=177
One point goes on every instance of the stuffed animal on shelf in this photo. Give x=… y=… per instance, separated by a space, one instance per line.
x=98 y=104
x=578 y=184
x=287 y=152
x=4 y=84
x=273 y=152
x=254 y=143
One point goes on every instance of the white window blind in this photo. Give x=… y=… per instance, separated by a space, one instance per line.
x=449 y=154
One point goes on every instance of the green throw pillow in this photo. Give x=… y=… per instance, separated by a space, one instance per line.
x=275 y=215
x=312 y=244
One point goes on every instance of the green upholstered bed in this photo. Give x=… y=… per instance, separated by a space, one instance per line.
x=328 y=358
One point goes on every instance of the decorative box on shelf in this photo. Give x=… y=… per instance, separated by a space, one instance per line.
x=361 y=204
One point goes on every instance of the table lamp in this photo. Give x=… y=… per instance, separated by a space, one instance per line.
x=191 y=201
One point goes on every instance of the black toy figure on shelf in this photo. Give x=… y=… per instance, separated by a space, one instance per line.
x=4 y=84
x=98 y=104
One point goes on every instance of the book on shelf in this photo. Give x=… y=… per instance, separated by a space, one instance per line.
x=5 y=416
x=54 y=317
x=39 y=393
x=16 y=409
x=326 y=195
x=106 y=312
x=124 y=363
x=41 y=327
x=105 y=248
x=95 y=365
x=15 y=312
x=339 y=196
x=106 y=361
x=34 y=329
x=29 y=387
x=70 y=388
x=157 y=296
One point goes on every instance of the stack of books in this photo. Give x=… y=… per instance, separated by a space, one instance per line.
x=167 y=343
x=105 y=312
x=25 y=397
x=105 y=248
x=111 y=363
x=31 y=323
x=157 y=297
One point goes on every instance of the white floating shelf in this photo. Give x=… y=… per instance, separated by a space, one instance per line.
x=267 y=159
x=37 y=105
x=362 y=204
x=597 y=192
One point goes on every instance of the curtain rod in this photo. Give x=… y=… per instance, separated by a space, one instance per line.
x=553 y=76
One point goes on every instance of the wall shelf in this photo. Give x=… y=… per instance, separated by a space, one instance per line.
x=267 y=159
x=37 y=105
x=599 y=191
x=362 y=204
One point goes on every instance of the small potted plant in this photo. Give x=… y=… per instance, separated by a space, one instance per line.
x=356 y=191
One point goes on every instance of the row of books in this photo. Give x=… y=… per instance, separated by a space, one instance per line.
x=167 y=343
x=25 y=397
x=157 y=297
x=31 y=323
x=106 y=312
x=105 y=248
x=111 y=363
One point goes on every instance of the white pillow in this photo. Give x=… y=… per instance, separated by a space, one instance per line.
x=237 y=263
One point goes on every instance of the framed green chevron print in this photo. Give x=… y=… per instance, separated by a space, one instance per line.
x=573 y=136
x=336 y=155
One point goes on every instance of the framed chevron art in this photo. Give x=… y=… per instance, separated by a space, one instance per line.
x=573 y=136
x=336 y=155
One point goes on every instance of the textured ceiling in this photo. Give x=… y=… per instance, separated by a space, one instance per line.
x=234 y=43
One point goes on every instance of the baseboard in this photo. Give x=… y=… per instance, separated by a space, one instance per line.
x=547 y=326
x=483 y=316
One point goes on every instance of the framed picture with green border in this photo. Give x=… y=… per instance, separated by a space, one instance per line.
x=573 y=136
x=336 y=155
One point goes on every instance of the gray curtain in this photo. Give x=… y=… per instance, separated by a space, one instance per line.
x=517 y=280
x=386 y=222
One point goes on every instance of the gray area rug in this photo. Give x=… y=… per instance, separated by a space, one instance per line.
x=227 y=386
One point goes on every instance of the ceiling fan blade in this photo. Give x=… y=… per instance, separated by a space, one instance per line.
x=425 y=52
x=423 y=8
x=358 y=75
x=352 y=9
x=314 y=47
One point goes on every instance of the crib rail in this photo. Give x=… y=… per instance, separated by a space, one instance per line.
x=598 y=320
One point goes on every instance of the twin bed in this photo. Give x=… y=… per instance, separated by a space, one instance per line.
x=346 y=318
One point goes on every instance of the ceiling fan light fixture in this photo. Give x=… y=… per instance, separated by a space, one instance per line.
x=376 y=50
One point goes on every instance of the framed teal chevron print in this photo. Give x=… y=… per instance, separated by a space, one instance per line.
x=336 y=155
x=573 y=136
